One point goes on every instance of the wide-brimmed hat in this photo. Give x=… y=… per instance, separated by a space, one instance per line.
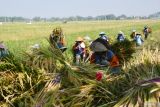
x=79 y=39
x=102 y=33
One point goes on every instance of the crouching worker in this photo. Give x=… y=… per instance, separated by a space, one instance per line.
x=3 y=50
x=107 y=58
x=113 y=62
x=57 y=39
x=78 y=51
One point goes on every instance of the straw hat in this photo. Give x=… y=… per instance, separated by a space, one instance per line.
x=79 y=39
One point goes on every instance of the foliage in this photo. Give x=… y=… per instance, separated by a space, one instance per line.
x=124 y=50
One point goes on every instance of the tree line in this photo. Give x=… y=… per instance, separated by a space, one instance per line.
x=78 y=18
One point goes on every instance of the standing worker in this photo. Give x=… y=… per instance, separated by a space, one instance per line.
x=146 y=31
x=57 y=39
x=79 y=51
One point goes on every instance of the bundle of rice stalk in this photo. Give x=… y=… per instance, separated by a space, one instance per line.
x=45 y=58
x=142 y=76
x=141 y=93
x=124 y=50
x=16 y=87
x=49 y=94
x=5 y=66
x=82 y=96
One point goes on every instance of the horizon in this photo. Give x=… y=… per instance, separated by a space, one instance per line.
x=72 y=8
x=84 y=16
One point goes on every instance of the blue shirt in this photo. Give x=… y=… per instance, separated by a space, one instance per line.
x=109 y=55
x=138 y=40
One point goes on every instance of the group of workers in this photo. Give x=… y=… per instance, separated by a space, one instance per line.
x=100 y=52
x=96 y=51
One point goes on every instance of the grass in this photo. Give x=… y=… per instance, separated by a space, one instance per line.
x=19 y=36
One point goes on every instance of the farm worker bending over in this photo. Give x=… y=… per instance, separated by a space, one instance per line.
x=138 y=39
x=57 y=39
x=111 y=59
x=3 y=50
x=79 y=50
x=98 y=46
x=120 y=36
x=108 y=58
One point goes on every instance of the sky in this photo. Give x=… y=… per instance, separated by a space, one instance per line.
x=67 y=8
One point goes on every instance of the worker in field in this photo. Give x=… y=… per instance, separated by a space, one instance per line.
x=120 y=36
x=111 y=60
x=100 y=45
x=79 y=51
x=57 y=39
x=107 y=58
x=146 y=31
x=138 y=39
x=3 y=50
x=133 y=34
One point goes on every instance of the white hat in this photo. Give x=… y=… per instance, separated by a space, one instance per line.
x=36 y=46
x=102 y=33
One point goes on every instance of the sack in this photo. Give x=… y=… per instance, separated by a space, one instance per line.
x=97 y=47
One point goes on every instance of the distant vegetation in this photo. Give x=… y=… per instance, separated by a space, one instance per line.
x=78 y=18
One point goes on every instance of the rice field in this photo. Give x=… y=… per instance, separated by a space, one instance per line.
x=46 y=78
x=19 y=36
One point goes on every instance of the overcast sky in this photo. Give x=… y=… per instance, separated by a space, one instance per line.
x=66 y=8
